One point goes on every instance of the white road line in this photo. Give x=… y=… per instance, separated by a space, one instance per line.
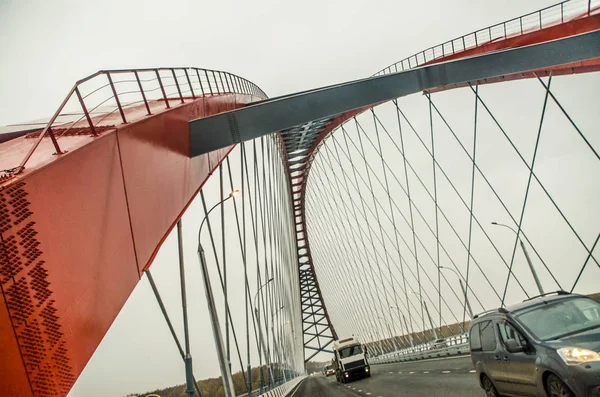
x=400 y=372
x=445 y=372
x=411 y=372
x=472 y=371
x=297 y=388
x=391 y=372
x=368 y=394
x=360 y=391
x=425 y=372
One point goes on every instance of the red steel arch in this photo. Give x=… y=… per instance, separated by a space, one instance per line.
x=320 y=334
x=78 y=229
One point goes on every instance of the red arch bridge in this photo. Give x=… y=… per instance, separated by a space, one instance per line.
x=362 y=208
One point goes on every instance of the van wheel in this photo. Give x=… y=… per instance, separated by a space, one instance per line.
x=488 y=386
x=557 y=388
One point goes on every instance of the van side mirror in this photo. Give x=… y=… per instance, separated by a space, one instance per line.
x=513 y=346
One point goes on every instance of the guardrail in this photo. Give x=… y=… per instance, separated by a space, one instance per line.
x=537 y=20
x=279 y=391
x=454 y=345
x=111 y=92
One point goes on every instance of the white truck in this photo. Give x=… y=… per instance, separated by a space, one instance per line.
x=349 y=360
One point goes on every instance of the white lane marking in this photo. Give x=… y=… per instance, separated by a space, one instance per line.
x=425 y=372
x=445 y=372
x=391 y=372
x=360 y=391
x=400 y=372
x=368 y=394
x=297 y=388
x=411 y=372
x=472 y=371
x=354 y=388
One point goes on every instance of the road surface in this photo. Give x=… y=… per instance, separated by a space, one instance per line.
x=449 y=377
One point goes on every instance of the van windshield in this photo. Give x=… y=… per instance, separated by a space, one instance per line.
x=350 y=351
x=561 y=319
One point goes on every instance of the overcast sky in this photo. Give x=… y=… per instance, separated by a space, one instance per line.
x=283 y=47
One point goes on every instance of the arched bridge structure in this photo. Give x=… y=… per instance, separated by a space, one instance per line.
x=336 y=222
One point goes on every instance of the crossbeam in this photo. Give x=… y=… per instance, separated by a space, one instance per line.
x=256 y=120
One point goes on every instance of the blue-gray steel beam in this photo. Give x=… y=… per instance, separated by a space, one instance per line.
x=222 y=130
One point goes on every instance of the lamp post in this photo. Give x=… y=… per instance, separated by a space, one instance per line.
x=276 y=339
x=533 y=272
x=392 y=337
x=260 y=343
x=189 y=373
x=424 y=305
x=400 y=317
x=435 y=335
x=411 y=332
x=225 y=370
x=463 y=289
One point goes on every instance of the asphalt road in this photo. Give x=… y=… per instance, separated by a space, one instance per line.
x=449 y=377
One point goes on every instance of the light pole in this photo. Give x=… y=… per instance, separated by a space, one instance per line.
x=411 y=332
x=463 y=289
x=225 y=370
x=276 y=341
x=400 y=317
x=435 y=335
x=424 y=305
x=391 y=334
x=533 y=272
x=260 y=343
x=189 y=373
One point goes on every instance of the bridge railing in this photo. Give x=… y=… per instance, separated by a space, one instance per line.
x=537 y=20
x=108 y=97
x=278 y=390
x=455 y=345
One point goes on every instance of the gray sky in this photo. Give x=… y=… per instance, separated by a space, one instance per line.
x=281 y=46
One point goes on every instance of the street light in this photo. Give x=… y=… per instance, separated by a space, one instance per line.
x=257 y=291
x=257 y=313
x=391 y=333
x=276 y=338
x=463 y=289
x=408 y=331
x=424 y=305
x=225 y=370
x=533 y=272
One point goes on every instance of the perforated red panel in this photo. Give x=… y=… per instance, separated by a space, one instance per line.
x=69 y=256
x=27 y=294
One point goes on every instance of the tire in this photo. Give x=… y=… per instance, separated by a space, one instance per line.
x=557 y=388
x=488 y=387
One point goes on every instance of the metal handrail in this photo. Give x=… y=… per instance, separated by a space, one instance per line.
x=124 y=87
x=537 y=20
x=455 y=345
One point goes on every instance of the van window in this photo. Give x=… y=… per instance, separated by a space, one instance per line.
x=508 y=332
x=561 y=318
x=474 y=338
x=488 y=336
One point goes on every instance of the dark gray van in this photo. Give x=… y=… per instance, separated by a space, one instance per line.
x=544 y=346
